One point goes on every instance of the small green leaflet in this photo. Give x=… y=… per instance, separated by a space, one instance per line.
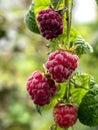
x=82 y=47
x=30 y=20
x=81 y=83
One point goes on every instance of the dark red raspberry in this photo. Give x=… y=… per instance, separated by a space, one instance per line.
x=50 y=23
x=65 y=115
x=61 y=64
x=41 y=89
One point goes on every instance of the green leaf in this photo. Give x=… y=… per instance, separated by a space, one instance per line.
x=82 y=47
x=30 y=20
x=81 y=83
x=88 y=108
x=41 y=5
x=38 y=108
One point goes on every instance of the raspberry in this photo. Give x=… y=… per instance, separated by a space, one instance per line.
x=65 y=115
x=50 y=23
x=61 y=64
x=40 y=88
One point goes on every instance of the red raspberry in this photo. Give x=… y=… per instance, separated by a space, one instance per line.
x=50 y=23
x=65 y=115
x=61 y=64
x=41 y=89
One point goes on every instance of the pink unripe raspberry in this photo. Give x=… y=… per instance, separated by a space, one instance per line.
x=40 y=88
x=65 y=115
x=61 y=64
x=50 y=23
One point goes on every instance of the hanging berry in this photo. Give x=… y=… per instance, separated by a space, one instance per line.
x=65 y=115
x=41 y=89
x=61 y=64
x=50 y=23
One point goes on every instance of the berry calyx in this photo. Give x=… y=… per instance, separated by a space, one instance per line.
x=40 y=88
x=65 y=115
x=61 y=64
x=50 y=23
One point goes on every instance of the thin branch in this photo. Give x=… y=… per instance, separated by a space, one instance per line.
x=69 y=6
x=58 y=5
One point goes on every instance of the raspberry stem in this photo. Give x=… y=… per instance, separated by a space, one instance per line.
x=67 y=93
x=68 y=4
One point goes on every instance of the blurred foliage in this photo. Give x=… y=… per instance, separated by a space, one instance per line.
x=21 y=53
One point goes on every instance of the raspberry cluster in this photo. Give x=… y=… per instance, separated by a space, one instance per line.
x=65 y=115
x=61 y=64
x=41 y=89
x=50 y=23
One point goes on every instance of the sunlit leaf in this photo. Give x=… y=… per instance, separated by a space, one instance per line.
x=81 y=83
x=40 y=5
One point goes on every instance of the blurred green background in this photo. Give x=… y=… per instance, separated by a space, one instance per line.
x=22 y=52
